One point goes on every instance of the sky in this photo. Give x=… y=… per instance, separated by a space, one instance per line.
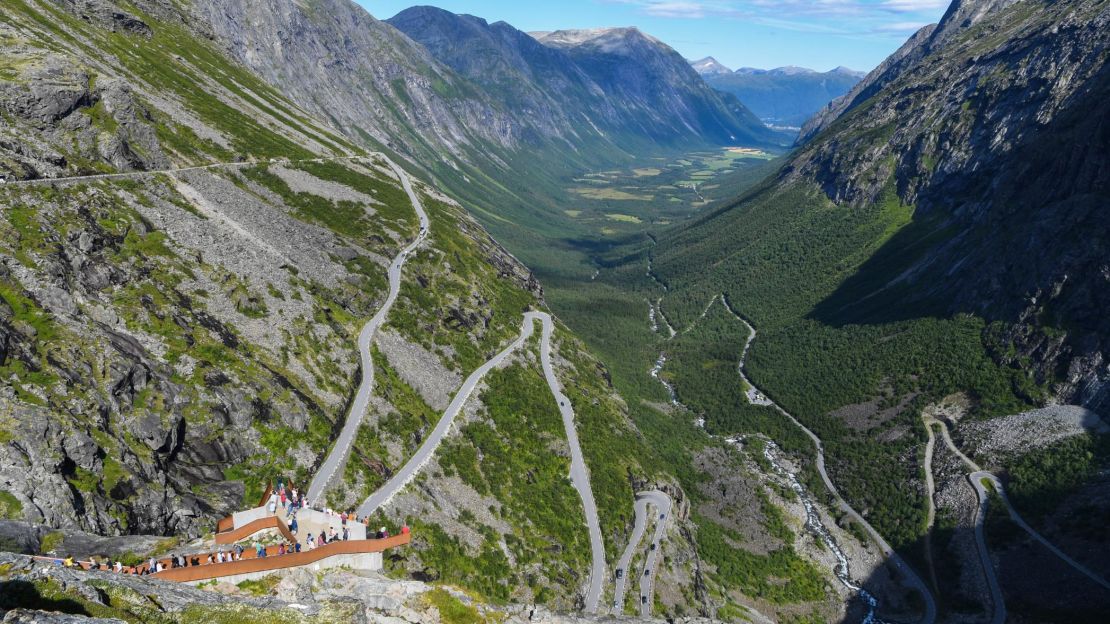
x=819 y=34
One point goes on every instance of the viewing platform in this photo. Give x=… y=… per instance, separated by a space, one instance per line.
x=362 y=554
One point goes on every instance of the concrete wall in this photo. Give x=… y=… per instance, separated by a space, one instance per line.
x=241 y=518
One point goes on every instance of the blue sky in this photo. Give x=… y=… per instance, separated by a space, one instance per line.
x=820 y=34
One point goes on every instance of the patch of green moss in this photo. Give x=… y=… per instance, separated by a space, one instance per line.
x=260 y=587
x=51 y=542
x=451 y=609
x=84 y=480
x=10 y=507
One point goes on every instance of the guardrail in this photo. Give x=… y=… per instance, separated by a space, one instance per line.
x=245 y=531
x=250 y=563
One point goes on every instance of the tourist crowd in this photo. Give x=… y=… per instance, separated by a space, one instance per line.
x=288 y=499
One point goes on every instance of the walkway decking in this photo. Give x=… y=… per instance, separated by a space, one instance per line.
x=250 y=564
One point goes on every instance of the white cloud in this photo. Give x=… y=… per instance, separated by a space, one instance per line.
x=914 y=6
x=684 y=10
x=900 y=27
x=859 y=17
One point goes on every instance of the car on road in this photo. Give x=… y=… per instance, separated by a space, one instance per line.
x=643 y=600
x=647 y=571
x=620 y=572
x=654 y=544
x=663 y=516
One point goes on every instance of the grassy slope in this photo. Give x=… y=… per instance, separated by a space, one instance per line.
x=455 y=265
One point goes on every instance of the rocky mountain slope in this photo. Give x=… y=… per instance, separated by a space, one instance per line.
x=617 y=82
x=786 y=96
x=42 y=593
x=180 y=328
x=938 y=238
x=1005 y=161
x=638 y=68
x=709 y=66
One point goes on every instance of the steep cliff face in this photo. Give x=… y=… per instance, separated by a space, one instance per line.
x=994 y=125
x=170 y=341
x=644 y=90
x=373 y=81
x=655 y=81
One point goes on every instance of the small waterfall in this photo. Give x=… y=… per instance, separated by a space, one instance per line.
x=655 y=372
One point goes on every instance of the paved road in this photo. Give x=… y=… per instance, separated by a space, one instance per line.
x=999 y=616
x=428 y=448
x=140 y=174
x=1018 y=520
x=579 y=474
x=976 y=477
x=931 y=510
x=911 y=577
x=342 y=447
x=662 y=504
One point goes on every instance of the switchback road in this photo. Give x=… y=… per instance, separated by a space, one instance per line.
x=342 y=447
x=662 y=504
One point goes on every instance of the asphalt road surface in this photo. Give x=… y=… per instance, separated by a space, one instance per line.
x=342 y=447
x=644 y=501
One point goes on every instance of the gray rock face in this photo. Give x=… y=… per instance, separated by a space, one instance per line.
x=333 y=56
x=648 y=75
x=302 y=596
x=654 y=93
x=24 y=616
x=993 y=124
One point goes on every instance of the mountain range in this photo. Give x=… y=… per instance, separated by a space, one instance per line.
x=785 y=96
x=865 y=377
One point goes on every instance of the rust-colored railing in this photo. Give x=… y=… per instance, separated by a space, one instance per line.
x=226 y=524
x=272 y=561
x=250 y=528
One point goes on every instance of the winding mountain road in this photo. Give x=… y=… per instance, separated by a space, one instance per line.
x=999 y=615
x=912 y=579
x=443 y=427
x=342 y=447
x=131 y=175
x=662 y=504
x=579 y=473
x=976 y=478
